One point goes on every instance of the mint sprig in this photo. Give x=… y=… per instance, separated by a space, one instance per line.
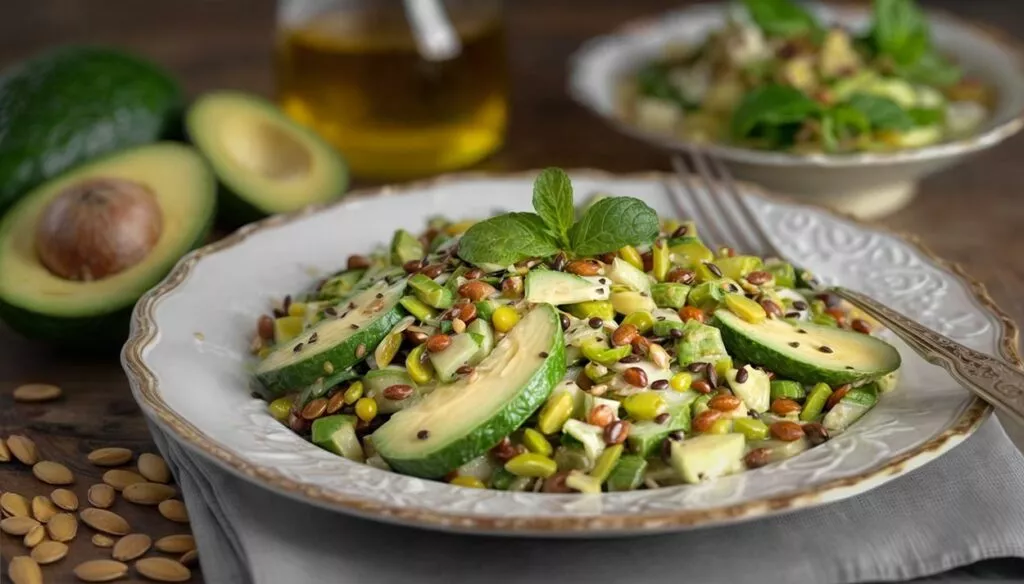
x=608 y=225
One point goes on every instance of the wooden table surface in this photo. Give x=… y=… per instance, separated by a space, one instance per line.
x=971 y=214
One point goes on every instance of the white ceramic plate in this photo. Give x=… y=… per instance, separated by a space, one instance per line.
x=188 y=355
x=866 y=184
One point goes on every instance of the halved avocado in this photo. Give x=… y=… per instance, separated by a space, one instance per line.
x=266 y=163
x=79 y=250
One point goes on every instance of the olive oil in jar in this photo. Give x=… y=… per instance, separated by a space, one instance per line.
x=357 y=78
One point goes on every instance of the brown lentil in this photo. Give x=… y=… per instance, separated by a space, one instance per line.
x=660 y=384
x=759 y=277
x=816 y=433
x=742 y=375
x=474 y=274
x=476 y=290
x=680 y=276
x=635 y=376
x=783 y=406
x=336 y=402
x=432 y=271
x=314 y=409
x=556 y=483
x=414 y=337
x=616 y=432
x=265 y=327
x=467 y=313
x=464 y=370
x=757 y=457
x=600 y=416
x=583 y=267
x=662 y=418
x=412 y=266
x=724 y=403
x=786 y=431
x=688 y=313
x=595 y=322
x=713 y=269
x=504 y=450
x=624 y=335
x=512 y=287
x=711 y=374
x=357 y=262
x=439 y=342
x=837 y=395
x=771 y=308
x=563 y=319
x=703 y=421
x=701 y=386
x=397 y=392
x=861 y=326
x=641 y=346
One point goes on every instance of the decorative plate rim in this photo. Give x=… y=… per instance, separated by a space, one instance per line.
x=144 y=331
x=959 y=147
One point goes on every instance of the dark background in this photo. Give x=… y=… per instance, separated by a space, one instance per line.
x=970 y=214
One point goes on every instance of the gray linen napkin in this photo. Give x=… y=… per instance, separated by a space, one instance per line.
x=966 y=507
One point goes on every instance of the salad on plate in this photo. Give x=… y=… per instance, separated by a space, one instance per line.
x=777 y=78
x=567 y=350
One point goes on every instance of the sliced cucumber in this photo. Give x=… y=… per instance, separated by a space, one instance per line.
x=806 y=352
x=590 y=436
x=340 y=285
x=342 y=342
x=851 y=408
x=645 y=438
x=337 y=434
x=670 y=295
x=622 y=272
x=460 y=421
x=755 y=390
x=549 y=286
x=700 y=342
x=628 y=473
x=460 y=352
x=377 y=380
x=485 y=339
x=708 y=456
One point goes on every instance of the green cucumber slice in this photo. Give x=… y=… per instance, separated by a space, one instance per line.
x=462 y=420
x=337 y=434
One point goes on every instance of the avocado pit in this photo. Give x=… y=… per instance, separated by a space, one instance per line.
x=98 y=228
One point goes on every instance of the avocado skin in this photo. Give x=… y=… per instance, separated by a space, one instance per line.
x=100 y=332
x=73 y=104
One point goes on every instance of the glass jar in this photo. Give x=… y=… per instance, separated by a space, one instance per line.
x=354 y=71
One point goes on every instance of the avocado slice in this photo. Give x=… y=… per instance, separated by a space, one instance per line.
x=708 y=456
x=462 y=420
x=266 y=162
x=337 y=434
x=377 y=380
x=342 y=341
x=74 y=290
x=563 y=288
x=74 y=104
x=806 y=352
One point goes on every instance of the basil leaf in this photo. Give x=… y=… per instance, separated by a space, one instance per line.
x=612 y=223
x=842 y=123
x=923 y=116
x=552 y=199
x=881 y=112
x=783 y=18
x=766 y=109
x=900 y=31
x=931 y=69
x=507 y=239
x=653 y=81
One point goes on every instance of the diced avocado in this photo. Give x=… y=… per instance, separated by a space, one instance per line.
x=340 y=285
x=377 y=380
x=267 y=162
x=572 y=458
x=622 y=272
x=430 y=292
x=755 y=391
x=337 y=434
x=664 y=328
x=787 y=389
x=669 y=295
x=785 y=275
x=602 y=309
x=806 y=352
x=708 y=456
x=481 y=467
x=462 y=420
x=628 y=473
x=888 y=382
x=838 y=57
x=590 y=436
x=710 y=294
x=484 y=337
x=779 y=450
x=645 y=437
x=461 y=351
x=739 y=266
x=564 y=288
x=689 y=251
x=627 y=302
x=851 y=408
x=406 y=247
x=799 y=72
x=342 y=341
x=700 y=342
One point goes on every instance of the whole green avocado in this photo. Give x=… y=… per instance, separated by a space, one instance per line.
x=73 y=104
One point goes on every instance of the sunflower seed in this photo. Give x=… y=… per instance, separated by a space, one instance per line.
x=163 y=570
x=36 y=392
x=119 y=479
x=35 y=536
x=49 y=552
x=110 y=456
x=23 y=448
x=189 y=558
x=131 y=546
x=24 y=570
x=105 y=521
x=154 y=468
x=18 y=525
x=62 y=527
x=65 y=499
x=174 y=510
x=5 y=453
x=100 y=570
x=102 y=540
x=147 y=493
x=14 y=505
x=176 y=544
x=101 y=495
x=53 y=473
x=43 y=508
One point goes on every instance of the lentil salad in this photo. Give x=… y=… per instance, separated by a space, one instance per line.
x=538 y=351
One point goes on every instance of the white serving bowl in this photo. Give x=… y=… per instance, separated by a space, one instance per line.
x=188 y=363
x=864 y=184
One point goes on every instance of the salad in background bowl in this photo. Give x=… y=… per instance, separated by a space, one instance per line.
x=848 y=105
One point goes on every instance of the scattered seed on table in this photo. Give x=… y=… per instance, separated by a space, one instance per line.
x=18 y=525
x=147 y=493
x=189 y=558
x=102 y=540
x=105 y=521
x=48 y=552
x=53 y=473
x=62 y=527
x=163 y=569
x=23 y=448
x=120 y=478
x=100 y=570
x=131 y=546
x=65 y=499
x=43 y=508
x=101 y=495
x=36 y=392
x=154 y=468
x=174 y=510
x=35 y=536
x=176 y=544
x=24 y=570
x=14 y=505
x=111 y=456
x=5 y=453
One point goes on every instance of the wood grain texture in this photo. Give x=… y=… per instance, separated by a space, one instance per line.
x=971 y=214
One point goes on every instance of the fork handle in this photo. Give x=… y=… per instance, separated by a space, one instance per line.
x=994 y=380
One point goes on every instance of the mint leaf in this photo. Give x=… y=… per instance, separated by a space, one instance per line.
x=507 y=239
x=931 y=69
x=783 y=18
x=881 y=112
x=613 y=223
x=763 y=111
x=900 y=31
x=552 y=198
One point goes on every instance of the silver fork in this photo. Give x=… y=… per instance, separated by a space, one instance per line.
x=715 y=204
